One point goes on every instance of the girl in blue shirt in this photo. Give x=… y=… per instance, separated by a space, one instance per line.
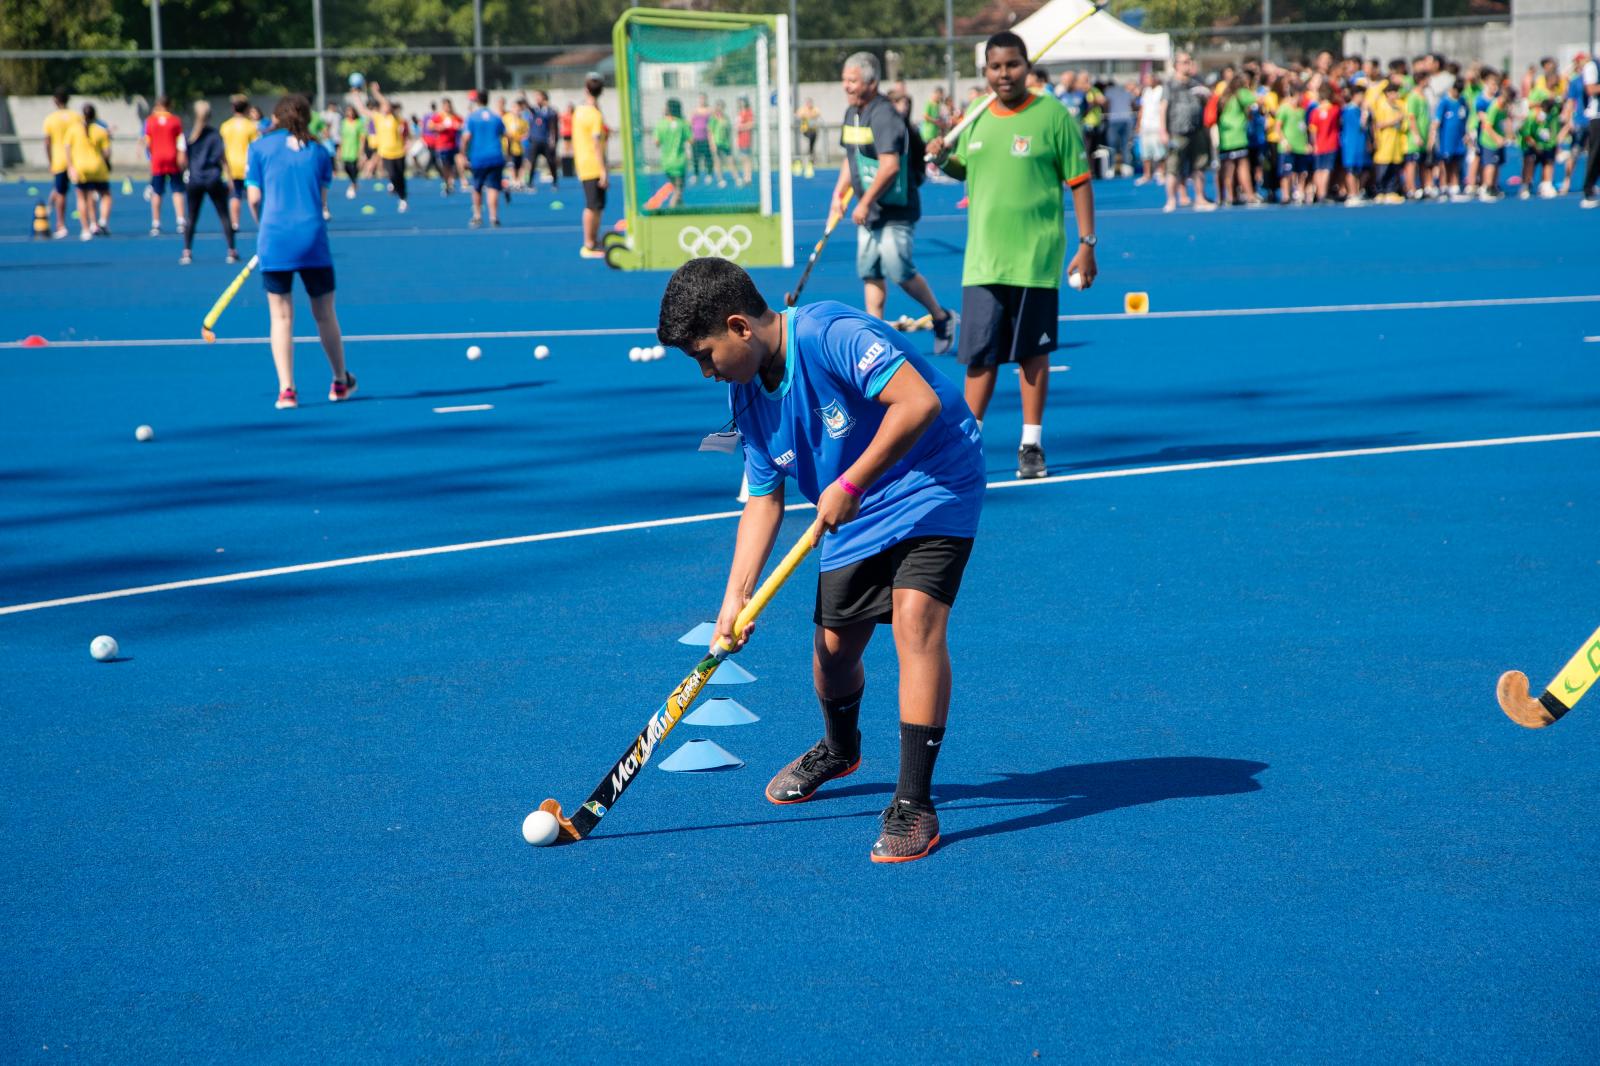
x=286 y=181
x=886 y=448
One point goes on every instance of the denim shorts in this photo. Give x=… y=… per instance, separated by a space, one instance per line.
x=884 y=253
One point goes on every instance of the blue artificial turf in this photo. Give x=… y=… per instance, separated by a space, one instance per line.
x=1225 y=779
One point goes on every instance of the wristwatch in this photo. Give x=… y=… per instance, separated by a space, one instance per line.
x=1091 y=240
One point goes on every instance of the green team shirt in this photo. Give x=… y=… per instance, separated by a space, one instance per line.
x=930 y=120
x=1014 y=163
x=718 y=126
x=1232 y=119
x=671 y=137
x=1417 y=108
x=1540 y=130
x=1292 y=121
x=1489 y=127
x=351 y=132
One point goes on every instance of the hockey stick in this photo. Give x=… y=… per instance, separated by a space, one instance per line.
x=614 y=784
x=1563 y=694
x=225 y=299
x=982 y=103
x=789 y=298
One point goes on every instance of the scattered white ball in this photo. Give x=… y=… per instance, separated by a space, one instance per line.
x=541 y=352
x=540 y=829
x=104 y=649
x=635 y=355
x=144 y=433
x=659 y=352
x=1075 y=280
x=474 y=352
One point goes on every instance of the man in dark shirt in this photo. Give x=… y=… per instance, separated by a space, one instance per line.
x=877 y=143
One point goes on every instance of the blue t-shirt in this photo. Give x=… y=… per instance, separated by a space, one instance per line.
x=293 y=234
x=1580 y=100
x=1451 y=120
x=1350 y=125
x=542 y=124
x=484 y=152
x=825 y=414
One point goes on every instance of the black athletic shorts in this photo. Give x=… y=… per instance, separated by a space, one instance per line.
x=1006 y=324
x=864 y=591
x=317 y=280
x=594 y=197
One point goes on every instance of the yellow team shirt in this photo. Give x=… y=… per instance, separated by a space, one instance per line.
x=238 y=133
x=58 y=126
x=90 y=150
x=516 y=133
x=390 y=135
x=1388 y=145
x=587 y=123
x=1267 y=100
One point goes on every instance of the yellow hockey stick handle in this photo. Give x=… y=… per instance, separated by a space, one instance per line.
x=769 y=588
x=1579 y=674
x=229 y=293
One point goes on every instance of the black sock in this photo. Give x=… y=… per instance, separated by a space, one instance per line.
x=919 y=750
x=840 y=717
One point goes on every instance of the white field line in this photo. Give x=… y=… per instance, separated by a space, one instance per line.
x=713 y=516
x=624 y=331
x=462 y=408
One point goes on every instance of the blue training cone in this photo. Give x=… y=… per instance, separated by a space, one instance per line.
x=700 y=756
x=721 y=711
x=731 y=673
x=700 y=635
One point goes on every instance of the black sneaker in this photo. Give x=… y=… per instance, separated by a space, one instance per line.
x=800 y=780
x=1030 y=461
x=944 y=333
x=910 y=831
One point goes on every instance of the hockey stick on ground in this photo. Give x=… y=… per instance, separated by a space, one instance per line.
x=1563 y=694
x=225 y=299
x=789 y=298
x=614 y=784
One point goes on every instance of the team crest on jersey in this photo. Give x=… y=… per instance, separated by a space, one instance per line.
x=1021 y=145
x=836 y=420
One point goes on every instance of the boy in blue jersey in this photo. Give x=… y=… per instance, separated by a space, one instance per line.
x=1448 y=139
x=480 y=143
x=886 y=448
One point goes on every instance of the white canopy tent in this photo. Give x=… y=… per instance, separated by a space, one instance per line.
x=1101 y=37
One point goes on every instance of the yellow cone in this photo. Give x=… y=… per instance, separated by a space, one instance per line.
x=1136 y=303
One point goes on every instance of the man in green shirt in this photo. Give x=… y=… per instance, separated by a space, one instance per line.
x=672 y=137
x=1416 y=105
x=1015 y=158
x=1294 y=164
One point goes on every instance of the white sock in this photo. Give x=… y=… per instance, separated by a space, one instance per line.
x=1032 y=435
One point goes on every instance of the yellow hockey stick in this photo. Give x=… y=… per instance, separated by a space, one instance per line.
x=225 y=299
x=1576 y=678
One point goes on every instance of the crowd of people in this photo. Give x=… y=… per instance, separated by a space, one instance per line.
x=487 y=151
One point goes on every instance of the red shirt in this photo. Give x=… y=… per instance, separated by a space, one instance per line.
x=446 y=131
x=1324 y=124
x=164 y=130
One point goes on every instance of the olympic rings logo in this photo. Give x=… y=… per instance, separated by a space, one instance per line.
x=714 y=241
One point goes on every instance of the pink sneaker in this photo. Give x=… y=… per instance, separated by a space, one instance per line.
x=342 y=390
x=287 y=399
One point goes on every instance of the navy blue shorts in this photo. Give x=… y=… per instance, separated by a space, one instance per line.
x=1006 y=324
x=1543 y=156
x=1491 y=157
x=1413 y=157
x=236 y=190
x=1324 y=160
x=161 y=183
x=486 y=178
x=1293 y=163
x=61 y=183
x=318 y=281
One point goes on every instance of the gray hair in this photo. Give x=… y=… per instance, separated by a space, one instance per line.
x=866 y=64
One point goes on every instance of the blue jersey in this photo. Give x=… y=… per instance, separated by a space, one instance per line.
x=293 y=234
x=484 y=152
x=825 y=414
x=1350 y=130
x=1451 y=121
x=1580 y=101
x=542 y=122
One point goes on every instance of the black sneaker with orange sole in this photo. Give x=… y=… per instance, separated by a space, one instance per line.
x=800 y=780
x=910 y=831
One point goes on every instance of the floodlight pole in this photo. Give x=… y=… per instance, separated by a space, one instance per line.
x=1427 y=26
x=1266 y=30
x=155 y=45
x=316 y=31
x=950 y=50
x=477 y=49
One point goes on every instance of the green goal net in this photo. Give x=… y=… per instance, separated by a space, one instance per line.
x=706 y=156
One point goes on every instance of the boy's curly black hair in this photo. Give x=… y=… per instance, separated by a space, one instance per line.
x=700 y=296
